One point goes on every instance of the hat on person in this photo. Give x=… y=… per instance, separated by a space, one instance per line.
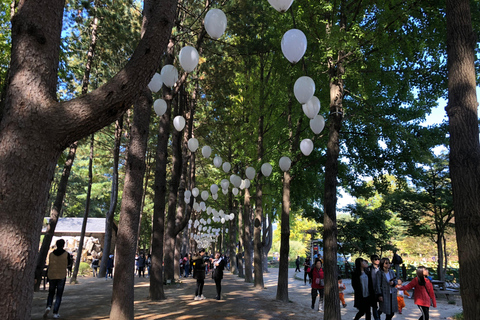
x=110 y=256
x=202 y=250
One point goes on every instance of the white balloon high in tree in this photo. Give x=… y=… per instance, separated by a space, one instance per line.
x=304 y=89
x=266 y=169
x=179 y=123
x=188 y=58
x=206 y=151
x=169 y=75
x=317 y=124
x=215 y=23
x=156 y=83
x=294 y=45
x=160 y=107
x=306 y=146
x=285 y=163
x=312 y=107
x=280 y=5
x=192 y=144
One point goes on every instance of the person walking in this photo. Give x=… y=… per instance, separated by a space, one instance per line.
x=186 y=265
x=297 y=264
x=59 y=260
x=372 y=271
x=400 y=296
x=423 y=296
x=385 y=289
x=361 y=283
x=198 y=263
x=94 y=267
x=218 y=267
x=110 y=266
x=307 y=269
x=318 y=286
x=341 y=289
x=141 y=265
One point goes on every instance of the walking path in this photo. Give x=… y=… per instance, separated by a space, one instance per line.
x=90 y=299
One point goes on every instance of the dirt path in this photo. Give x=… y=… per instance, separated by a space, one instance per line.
x=91 y=300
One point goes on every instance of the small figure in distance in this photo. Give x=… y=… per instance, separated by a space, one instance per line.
x=341 y=288
x=297 y=264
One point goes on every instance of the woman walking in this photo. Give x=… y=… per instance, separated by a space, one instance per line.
x=318 y=286
x=361 y=284
x=423 y=296
x=386 y=290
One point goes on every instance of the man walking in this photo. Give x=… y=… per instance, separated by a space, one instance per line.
x=199 y=274
x=57 y=276
x=371 y=272
x=297 y=264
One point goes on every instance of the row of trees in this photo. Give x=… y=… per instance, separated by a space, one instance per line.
x=385 y=69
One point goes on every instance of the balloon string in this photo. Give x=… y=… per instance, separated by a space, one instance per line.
x=304 y=65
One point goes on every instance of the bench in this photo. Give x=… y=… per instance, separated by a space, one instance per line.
x=446 y=292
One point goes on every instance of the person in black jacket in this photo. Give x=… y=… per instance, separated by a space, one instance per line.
x=362 y=285
x=198 y=264
x=218 y=266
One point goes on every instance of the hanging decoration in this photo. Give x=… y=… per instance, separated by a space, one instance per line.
x=206 y=151
x=280 y=5
x=192 y=144
x=217 y=161
x=250 y=173
x=179 y=123
x=215 y=23
x=156 y=83
x=160 y=107
x=317 y=124
x=294 y=45
x=169 y=75
x=226 y=166
x=188 y=58
x=306 y=146
x=285 y=163
x=266 y=169
x=304 y=89
x=312 y=107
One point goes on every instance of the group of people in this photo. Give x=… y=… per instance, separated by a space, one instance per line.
x=377 y=290
x=200 y=263
x=142 y=262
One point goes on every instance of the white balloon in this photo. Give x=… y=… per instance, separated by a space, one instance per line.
x=192 y=144
x=215 y=196
x=235 y=191
x=156 y=83
x=217 y=161
x=209 y=210
x=206 y=151
x=312 y=107
x=222 y=220
x=190 y=221
x=306 y=146
x=188 y=58
x=169 y=75
x=187 y=193
x=232 y=216
x=203 y=207
x=209 y=221
x=280 y=5
x=247 y=183
x=294 y=45
x=179 y=123
x=266 y=169
x=285 y=163
x=213 y=188
x=317 y=124
x=195 y=192
x=242 y=185
x=187 y=200
x=160 y=107
x=235 y=180
x=226 y=166
x=225 y=191
x=250 y=173
x=221 y=213
x=205 y=195
x=304 y=89
x=215 y=23
x=224 y=183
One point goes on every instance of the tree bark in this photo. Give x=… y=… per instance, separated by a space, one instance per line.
x=33 y=122
x=332 y=302
x=55 y=214
x=122 y=294
x=107 y=244
x=464 y=149
x=267 y=241
x=282 y=285
x=248 y=236
x=78 y=259
x=241 y=240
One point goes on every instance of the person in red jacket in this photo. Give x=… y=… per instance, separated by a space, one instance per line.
x=318 y=286
x=423 y=296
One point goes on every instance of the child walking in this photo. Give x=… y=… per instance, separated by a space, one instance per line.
x=423 y=295
x=400 y=295
x=341 y=288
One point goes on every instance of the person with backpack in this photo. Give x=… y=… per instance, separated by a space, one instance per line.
x=396 y=262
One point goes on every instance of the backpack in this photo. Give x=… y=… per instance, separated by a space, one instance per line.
x=397 y=259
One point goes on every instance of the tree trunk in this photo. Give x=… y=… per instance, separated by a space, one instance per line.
x=258 y=220
x=282 y=286
x=233 y=236
x=332 y=302
x=76 y=268
x=55 y=213
x=241 y=238
x=122 y=294
x=248 y=236
x=464 y=150
x=46 y=127
x=107 y=244
x=440 y=268
x=267 y=240
x=170 y=235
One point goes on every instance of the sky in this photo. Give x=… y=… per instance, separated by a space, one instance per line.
x=438 y=115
